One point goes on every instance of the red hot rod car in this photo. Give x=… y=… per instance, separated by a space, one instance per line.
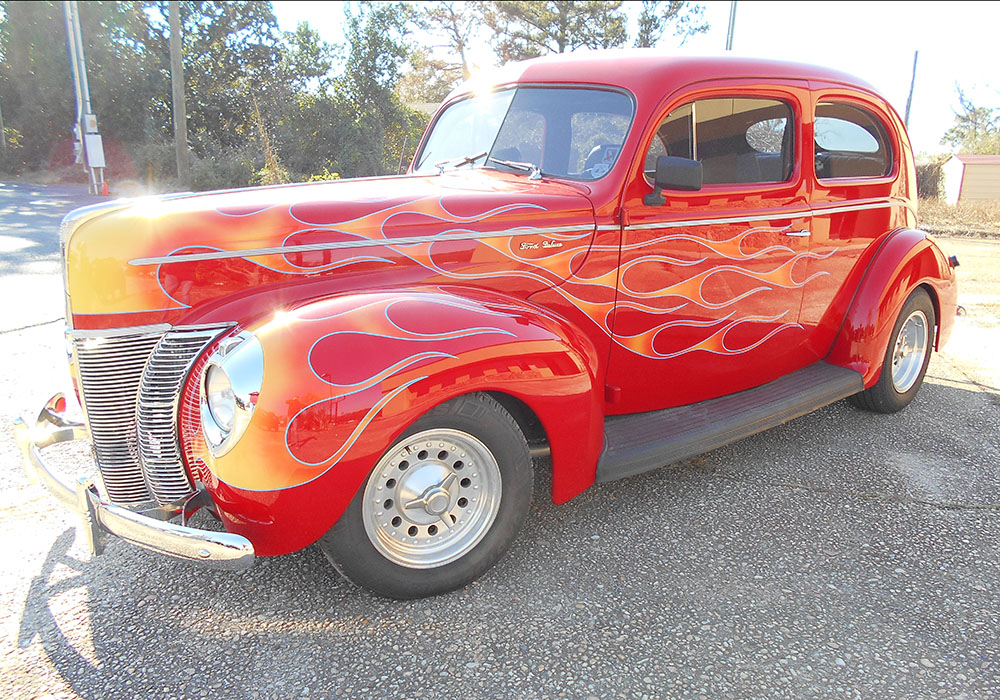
x=621 y=260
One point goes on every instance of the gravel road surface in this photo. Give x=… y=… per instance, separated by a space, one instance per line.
x=843 y=554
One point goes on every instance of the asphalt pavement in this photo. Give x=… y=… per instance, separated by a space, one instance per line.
x=844 y=554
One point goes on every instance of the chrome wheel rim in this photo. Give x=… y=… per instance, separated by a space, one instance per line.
x=909 y=351
x=431 y=498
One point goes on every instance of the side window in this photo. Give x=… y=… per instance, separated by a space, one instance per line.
x=850 y=142
x=737 y=139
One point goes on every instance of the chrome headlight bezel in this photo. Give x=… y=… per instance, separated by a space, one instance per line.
x=241 y=360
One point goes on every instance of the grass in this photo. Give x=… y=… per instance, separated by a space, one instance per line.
x=971 y=219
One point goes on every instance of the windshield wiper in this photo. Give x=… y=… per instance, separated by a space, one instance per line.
x=535 y=173
x=459 y=162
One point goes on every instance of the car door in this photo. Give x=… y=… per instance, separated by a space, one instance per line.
x=710 y=282
x=860 y=195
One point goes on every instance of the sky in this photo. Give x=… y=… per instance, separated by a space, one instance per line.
x=957 y=41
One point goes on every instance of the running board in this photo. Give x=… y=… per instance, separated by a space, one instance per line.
x=640 y=442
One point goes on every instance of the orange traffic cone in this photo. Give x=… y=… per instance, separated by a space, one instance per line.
x=104 y=188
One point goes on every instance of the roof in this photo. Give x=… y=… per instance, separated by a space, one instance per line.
x=978 y=159
x=642 y=70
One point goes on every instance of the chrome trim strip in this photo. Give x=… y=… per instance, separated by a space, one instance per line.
x=310 y=247
x=841 y=209
x=719 y=220
x=517 y=232
x=204 y=326
x=85 y=334
x=806 y=214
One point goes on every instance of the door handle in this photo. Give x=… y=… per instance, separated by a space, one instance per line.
x=801 y=234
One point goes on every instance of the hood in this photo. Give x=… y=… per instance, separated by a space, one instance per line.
x=162 y=259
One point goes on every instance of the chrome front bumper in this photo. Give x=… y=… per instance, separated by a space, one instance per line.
x=219 y=550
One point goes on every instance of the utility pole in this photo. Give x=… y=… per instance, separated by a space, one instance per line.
x=909 y=98
x=91 y=148
x=177 y=88
x=3 y=135
x=732 y=26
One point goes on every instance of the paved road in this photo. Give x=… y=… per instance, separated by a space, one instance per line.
x=30 y=276
x=841 y=555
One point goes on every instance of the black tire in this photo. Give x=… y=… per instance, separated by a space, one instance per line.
x=885 y=396
x=359 y=557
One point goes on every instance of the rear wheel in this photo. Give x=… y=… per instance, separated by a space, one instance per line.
x=906 y=358
x=440 y=507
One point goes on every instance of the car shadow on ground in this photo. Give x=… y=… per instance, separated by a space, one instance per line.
x=771 y=527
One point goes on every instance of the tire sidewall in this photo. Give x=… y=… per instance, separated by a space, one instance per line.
x=349 y=548
x=919 y=300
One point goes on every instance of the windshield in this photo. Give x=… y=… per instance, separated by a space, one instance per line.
x=575 y=133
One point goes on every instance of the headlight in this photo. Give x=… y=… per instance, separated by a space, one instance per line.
x=230 y=386
x=219 y=397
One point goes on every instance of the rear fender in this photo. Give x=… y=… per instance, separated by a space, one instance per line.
x=908 y=259
x=345 y=376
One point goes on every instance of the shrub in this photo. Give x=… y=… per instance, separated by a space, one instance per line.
x=324 y=176
x=224 y=168
x=156 y=164
x=930 y=180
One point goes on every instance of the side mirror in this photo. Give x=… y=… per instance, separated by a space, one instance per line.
x=673 y=173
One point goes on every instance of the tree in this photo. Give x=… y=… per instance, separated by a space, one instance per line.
x=377 y=50
x=232 y=50
x=528 y=28
x=307 y=59
x=35 y=85
x=33 y=74
x=976 y=129
x=457 y=23
x=428 y=80
x=655 y=17
x=262 y=104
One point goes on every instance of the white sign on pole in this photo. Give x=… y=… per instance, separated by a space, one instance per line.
x=94 y=148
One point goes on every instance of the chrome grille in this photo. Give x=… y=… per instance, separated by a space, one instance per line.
x=157 y=414
x=130 y=385
x=110 y=372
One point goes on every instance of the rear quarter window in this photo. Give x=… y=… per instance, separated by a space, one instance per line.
x=850 y=142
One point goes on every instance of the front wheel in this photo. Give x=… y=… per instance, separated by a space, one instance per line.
x=906 y=358
x=440 y=507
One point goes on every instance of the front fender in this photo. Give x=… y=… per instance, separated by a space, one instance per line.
x=344 y=377
x=907 y=259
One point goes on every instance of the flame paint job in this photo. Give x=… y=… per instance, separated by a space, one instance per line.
x=359 y=341
x=105 y=290
x=356 y=390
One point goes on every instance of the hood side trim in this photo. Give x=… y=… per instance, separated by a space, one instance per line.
x=402 y=241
